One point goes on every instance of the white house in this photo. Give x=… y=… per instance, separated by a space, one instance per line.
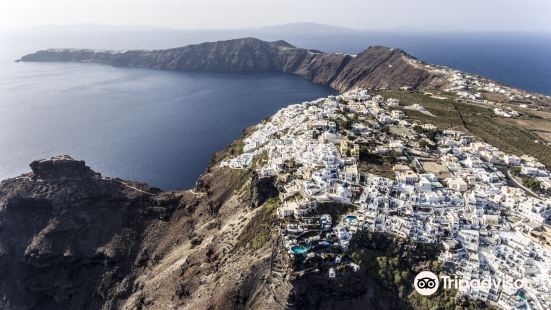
x=457 y=184
x=424 y=185
x=511 y=160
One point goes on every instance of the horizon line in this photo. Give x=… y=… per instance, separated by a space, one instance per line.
x=329 y=28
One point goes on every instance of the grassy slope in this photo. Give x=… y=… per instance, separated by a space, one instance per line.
x=259 y=230
x=479 y=121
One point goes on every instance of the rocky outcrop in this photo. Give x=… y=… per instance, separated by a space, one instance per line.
x=262 y=189
x=61 y=167
x=375 y=68
x=68 y=238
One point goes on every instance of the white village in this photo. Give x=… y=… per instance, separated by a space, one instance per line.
x=442 y=187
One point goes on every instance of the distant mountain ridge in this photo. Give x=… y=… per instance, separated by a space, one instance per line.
x=375 y=68
x=307 y=27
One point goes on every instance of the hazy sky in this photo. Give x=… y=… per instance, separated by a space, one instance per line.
x=484 y=15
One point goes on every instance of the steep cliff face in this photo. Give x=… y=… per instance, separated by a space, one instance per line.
x=374 y=68
x=72 y=239
x=68 y=236
x=383 y=68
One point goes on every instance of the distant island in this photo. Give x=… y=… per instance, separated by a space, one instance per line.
x=377 y=67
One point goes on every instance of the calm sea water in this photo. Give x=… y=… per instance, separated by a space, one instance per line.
x=152 y=126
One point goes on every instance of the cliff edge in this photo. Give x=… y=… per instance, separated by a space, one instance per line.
x=375 y=68
x=73 y=239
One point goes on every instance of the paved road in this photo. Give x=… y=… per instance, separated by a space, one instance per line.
x=128 y=185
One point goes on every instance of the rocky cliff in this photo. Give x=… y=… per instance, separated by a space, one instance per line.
x=73 y=239
x=375 y=68
x=68 y=236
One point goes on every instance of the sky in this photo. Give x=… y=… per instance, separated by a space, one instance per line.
x=440 y=15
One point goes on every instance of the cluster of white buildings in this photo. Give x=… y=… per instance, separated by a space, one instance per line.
x=470 y=87
x=416 y=107
x=506 y=113
x=457 y=193
x=477 y=89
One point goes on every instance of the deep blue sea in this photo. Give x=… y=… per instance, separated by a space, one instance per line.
x=162 y=127
x=152 y=126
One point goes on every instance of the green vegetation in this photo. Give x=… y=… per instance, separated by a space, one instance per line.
x=478 y=120
x=370 y=158
x=431 y=134
x=532 y=183
x=444 y=110
x=345 y=122
x=507 y=138
x=259 y=229
x=391 y=263
x=376 y=164
x=423 y=143
x=239 y=145
x=516 y=171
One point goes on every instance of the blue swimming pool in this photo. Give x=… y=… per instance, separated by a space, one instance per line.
x=300 y=249
x=351 y=218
